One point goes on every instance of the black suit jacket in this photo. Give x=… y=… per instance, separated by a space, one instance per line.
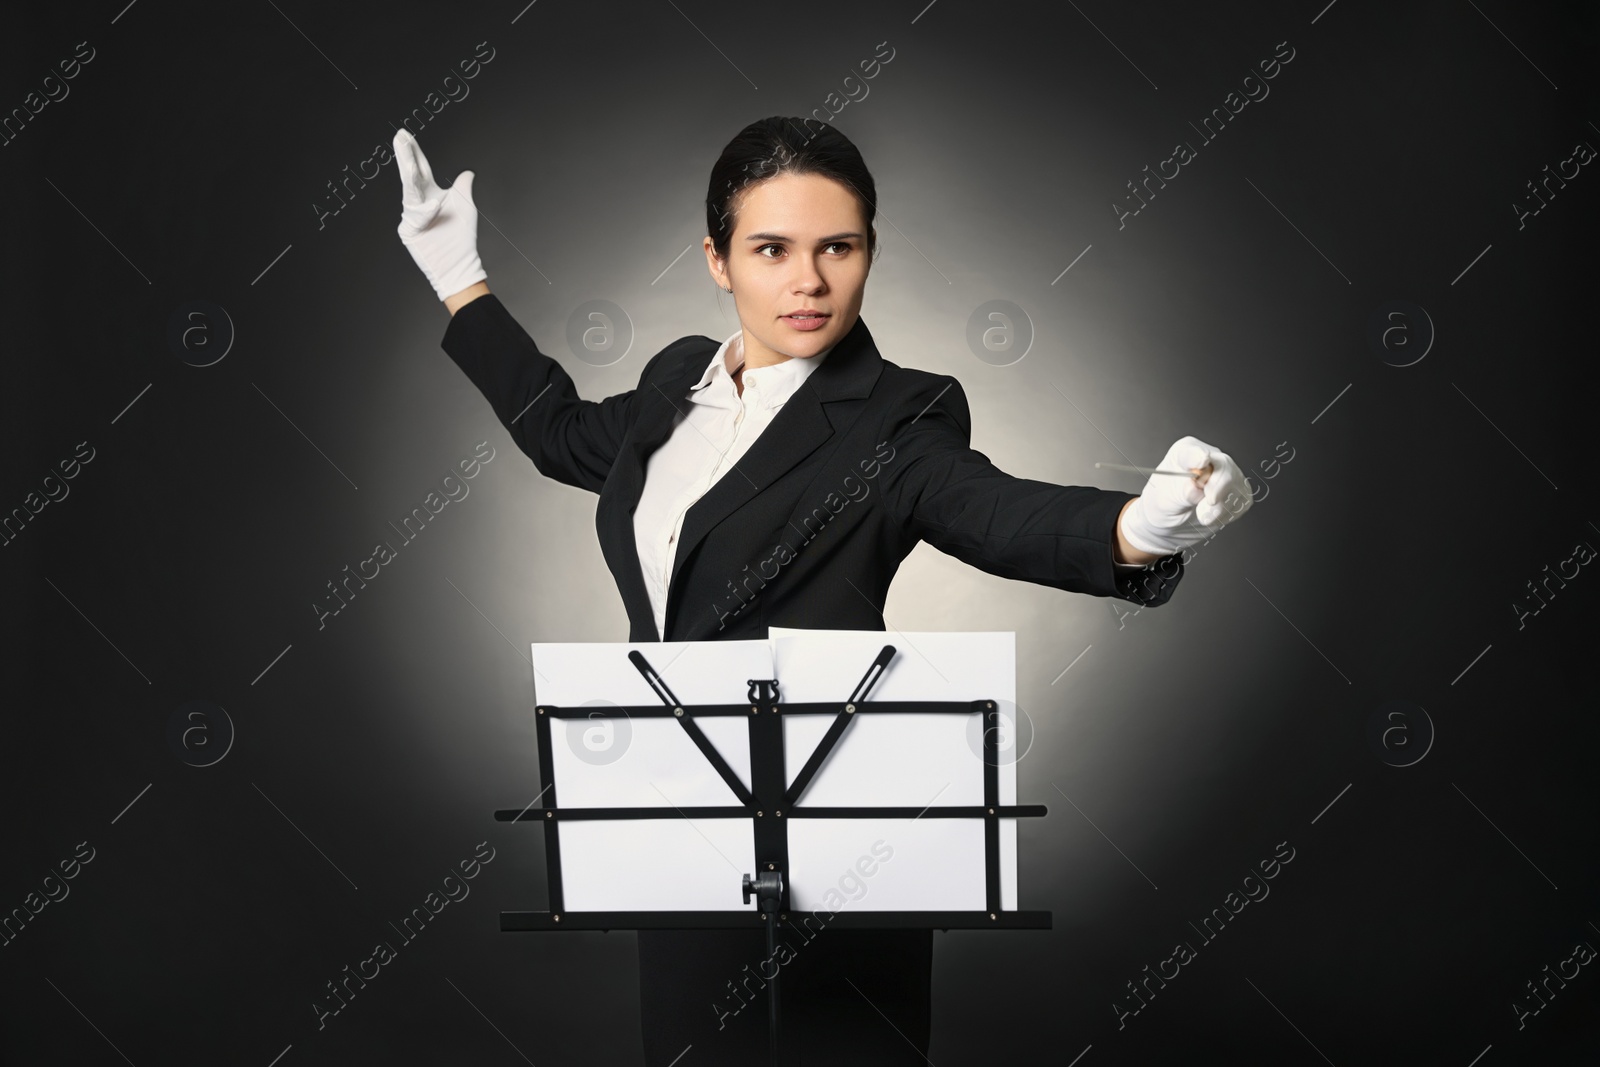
x=808 y=529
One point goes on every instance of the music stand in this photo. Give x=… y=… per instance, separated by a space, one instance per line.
x=768 y=805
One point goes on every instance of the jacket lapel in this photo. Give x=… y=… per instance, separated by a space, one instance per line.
x=799 y=429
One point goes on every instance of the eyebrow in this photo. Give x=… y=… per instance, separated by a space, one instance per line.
x=781 y=237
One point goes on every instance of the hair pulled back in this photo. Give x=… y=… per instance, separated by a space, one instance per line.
x=784 y=145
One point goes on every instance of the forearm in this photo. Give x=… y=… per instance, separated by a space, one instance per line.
x=456 y=301
x=571 y=440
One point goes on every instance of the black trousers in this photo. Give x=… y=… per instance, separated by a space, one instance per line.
x=848 y=997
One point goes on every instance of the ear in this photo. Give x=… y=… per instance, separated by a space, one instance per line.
x=714 y=264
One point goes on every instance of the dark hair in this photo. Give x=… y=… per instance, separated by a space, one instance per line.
x=783 y=145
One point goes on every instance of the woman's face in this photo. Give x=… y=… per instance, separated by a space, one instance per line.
x=799 y=242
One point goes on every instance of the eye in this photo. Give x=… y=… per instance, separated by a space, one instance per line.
x=845 y=245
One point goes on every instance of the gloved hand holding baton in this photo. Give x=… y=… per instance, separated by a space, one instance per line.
x=1175 y=512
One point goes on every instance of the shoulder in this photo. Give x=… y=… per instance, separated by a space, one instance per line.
x=919 y=392
x=693 y=351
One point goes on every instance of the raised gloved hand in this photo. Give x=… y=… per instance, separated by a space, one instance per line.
x=1174 y=513
x=438 y=226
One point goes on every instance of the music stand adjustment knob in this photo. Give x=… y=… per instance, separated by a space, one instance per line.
x=767 y=887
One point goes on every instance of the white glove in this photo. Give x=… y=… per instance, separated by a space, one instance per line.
x=1174 y=513
x=438 y=226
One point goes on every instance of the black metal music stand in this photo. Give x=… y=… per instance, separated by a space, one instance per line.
x=770 y=804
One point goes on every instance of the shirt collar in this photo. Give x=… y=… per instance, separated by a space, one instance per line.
x=776 y=383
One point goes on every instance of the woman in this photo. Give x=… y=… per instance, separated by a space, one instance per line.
x=736 y=491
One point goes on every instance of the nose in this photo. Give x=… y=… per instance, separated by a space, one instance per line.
x=808 y=279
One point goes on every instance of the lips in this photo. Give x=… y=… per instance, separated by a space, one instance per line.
x=806 y=320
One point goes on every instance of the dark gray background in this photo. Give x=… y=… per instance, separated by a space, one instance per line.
x=1180 y=748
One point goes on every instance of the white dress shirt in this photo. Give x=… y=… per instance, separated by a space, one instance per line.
x=714 y=428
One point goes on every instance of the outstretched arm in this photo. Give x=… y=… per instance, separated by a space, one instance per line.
x=943 y=491
x=1066 y=536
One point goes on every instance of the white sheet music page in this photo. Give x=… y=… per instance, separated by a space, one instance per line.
x=606 y=760
x=906 y=760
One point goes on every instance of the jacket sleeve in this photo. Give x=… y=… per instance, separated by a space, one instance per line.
x=571 y=440
x=940 y=490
